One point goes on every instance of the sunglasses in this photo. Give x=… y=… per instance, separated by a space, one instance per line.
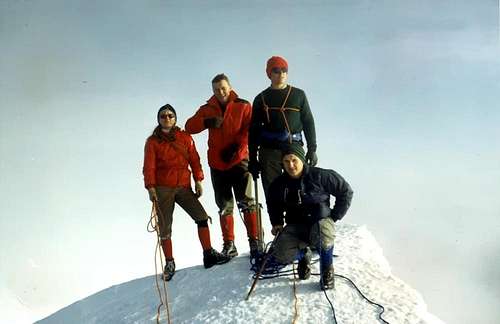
x=279 y=70
x=165 y=116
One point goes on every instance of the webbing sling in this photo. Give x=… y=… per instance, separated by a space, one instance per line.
x=280 y=109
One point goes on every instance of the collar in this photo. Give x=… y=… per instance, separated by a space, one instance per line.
x=214 y=102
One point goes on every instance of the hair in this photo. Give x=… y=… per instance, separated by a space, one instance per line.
x=220 y=77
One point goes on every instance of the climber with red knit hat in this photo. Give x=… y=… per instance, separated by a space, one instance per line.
x=280 y=116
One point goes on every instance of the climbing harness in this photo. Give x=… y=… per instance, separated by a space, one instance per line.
x=282 y=111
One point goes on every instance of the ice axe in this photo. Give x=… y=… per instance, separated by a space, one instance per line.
x=259 y=216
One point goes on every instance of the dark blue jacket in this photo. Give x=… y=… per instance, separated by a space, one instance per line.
x=307 y=199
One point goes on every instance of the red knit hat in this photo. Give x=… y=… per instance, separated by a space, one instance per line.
x=275 y=61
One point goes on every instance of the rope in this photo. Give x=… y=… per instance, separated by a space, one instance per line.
x=153 y=224
x=324 y=290
x=368 y=300
x=296 y=314
x=290 y=272
x=331 y=306
x=280 y=109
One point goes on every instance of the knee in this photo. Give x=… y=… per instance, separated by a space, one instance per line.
x=247 y=208
x=165 y=236
x=226 y=210
x=202 y=223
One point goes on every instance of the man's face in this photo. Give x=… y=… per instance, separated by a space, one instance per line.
x=279 y=76
x=221 y=89
x=293 y=165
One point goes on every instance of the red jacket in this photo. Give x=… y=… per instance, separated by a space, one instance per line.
x=234 y=129
x=167 y=163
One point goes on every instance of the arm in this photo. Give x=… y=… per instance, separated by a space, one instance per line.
x=196 y=123
x=149 y=167
x=307 y=119
x=341 y=190
x=275 y=206
x=255 y=127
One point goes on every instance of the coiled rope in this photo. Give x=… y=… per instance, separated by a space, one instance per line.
x=153 y=226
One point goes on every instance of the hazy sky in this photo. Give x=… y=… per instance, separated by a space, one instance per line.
x=404 y=93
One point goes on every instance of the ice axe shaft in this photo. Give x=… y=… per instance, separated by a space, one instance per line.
x=262 y=267
x=259 y=216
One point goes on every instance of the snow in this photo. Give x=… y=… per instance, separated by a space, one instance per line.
x=13 y=308
x=217 y=295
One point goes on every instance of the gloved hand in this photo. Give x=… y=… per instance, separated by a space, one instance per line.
x=152 y=194
x=213 y=122
x=311 y=158
x=227 y=154
x=198 y=189
x=276 y=229
x=333 y=216
x=254 y=168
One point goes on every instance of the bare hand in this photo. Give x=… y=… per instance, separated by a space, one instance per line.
x=152 y=194
x=198 y=189
x=276 y=229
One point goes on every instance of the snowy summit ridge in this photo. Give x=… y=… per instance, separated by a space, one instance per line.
x=217 y=295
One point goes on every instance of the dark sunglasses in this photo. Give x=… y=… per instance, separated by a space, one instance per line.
x=279 y=70
x=165 y=116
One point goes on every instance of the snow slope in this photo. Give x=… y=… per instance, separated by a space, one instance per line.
x=217 y=295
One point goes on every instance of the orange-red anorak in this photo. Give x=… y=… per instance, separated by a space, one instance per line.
x=169 y=163
x=234 y=129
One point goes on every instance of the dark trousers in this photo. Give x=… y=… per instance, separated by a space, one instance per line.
x=238 y=179
x=270 y=160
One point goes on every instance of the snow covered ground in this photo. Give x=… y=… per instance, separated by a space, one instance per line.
x=217 y=295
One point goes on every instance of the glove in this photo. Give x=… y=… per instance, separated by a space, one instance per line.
x=334 y=216
x=276 y=229
x=311 y=158
x=213 y=122
x=227 y=154
x=152 y=194
x=198 y=189
x=254 y=168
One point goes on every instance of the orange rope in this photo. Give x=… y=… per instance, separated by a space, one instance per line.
x=153 y=223
x=282 y=110
x=296 y=314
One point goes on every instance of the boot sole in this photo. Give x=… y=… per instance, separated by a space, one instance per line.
x=232 y=254
x=328 y=286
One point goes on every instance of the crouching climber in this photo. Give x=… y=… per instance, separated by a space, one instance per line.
x=300 y=198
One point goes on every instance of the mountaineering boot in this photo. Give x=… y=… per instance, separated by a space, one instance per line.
x=304 y=268
x=229 y=249
x=327 y=280
x=169 y=270
x=212 y=257
x=256 y=248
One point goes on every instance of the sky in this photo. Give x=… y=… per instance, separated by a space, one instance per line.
x=404 y=94
x=275 y=300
